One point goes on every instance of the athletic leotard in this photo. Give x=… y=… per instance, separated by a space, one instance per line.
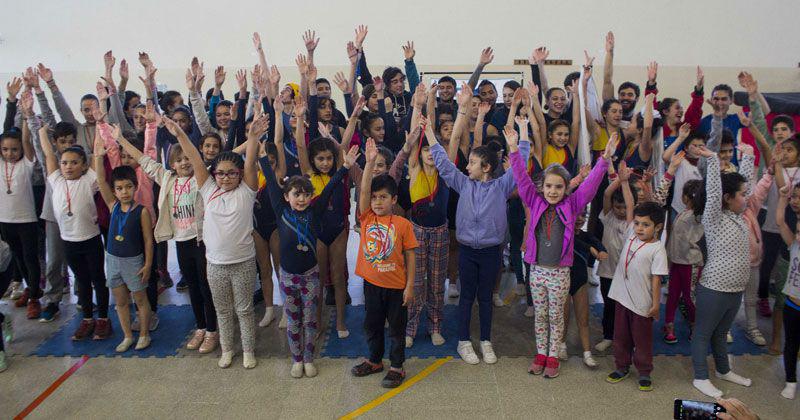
x=336 y=207
x=429 y=200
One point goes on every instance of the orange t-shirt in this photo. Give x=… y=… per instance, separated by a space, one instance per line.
x=380 y=253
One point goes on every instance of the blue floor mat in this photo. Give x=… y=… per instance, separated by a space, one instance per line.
x=176 y=322
x=741 y=345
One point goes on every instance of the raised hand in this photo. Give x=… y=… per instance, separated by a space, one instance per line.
x=744 y=119
x=377 y=81
x=189 y=79
x=45 y=73
x=300 y=106
x=521 y=121
x=588 y=61
x=302 y=64
x=13 y=87
x=701 y=78
x=420 y=96
x=350 y=157
x=512 y=138
x=408 y=50
x=352 y=52
x=371 y=151
x=173 y=127
x=309 y=38
x=362 y=101
x=652 y=72
x=517 y=98
x=144 y=60
x=26 y=103
x=99 y=115
x=277 y=105
x=31 y=80
x=323 y=131
x=483 y=109
x=584 y=171
x=610 y=42
x=648 y=174
x=361 y=34
x=745 y=149
x=199 y=78
x=748 y=83
x=99 y=149
x=684 y=131
x=274 y=75
x=611 y=146
x=342 y=83
x=109 y=60
x=539 y=55
x=257 y=41
x=150 y=114
x=259 y=126
x=487 y=55
x=464 y=95
x=124 y=71
x=219 y=76
x=102 y=91
x=624 y=172
x=312 y=72
x=241 y=81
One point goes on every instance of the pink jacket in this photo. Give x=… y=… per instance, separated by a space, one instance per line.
x=754 y=202
x=144 y=191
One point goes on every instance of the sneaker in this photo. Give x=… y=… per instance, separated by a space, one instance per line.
x=197 y=339
x=645 y=384
x=153 y=321
x=729 y=338
x=8 y=329
x=756 y=337
x=616 y=376
x=452 y=291
x=164 y=279
x=225 y=359
x=143 y=342
x=102 y=329
x=365 y=368
x=22 y=300
x=497 y=300
x=16 y=290
x=519 y=289
x=330 y=296
x=409 y=342
x=551 y=368
x=393 y=378
x=34 y=309
x=706 y=387
x=210 y=342
x=85 y=329
x=249 y=360
x=562 y=351
x=297 y=370
x=3 y=362
x=788 y=392
x=669 y=334
x=182 y=285
x=537 y=367
x=50 y=312
x=467 y=353
x=603 y=345
x=437 y=339
x=530 y=312
x=763 y=308
x=343 y=333
x=588 y=360
x=124 y=345
x=488 y=352
x=269 y=316
x=309 y=369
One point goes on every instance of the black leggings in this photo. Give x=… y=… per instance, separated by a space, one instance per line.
x=773 y=247
x=192 y=261
x=85 y=259
x=791 y=329
x=23 y=238
x=609 y=306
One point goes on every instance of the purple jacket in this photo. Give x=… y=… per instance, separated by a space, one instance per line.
x=567 y=210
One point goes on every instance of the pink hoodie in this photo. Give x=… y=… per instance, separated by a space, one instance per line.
x=144 y=191
x=754 y=202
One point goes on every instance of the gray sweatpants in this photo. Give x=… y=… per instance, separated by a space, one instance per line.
x=56 y=262
x=232 y=288
x=715 y=314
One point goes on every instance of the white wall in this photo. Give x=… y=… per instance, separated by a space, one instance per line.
x=723 y=36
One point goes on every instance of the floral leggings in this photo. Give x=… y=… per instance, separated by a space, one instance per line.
x=549 y=289
x=302 y=291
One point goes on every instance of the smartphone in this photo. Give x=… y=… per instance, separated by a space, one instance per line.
x=689 y=409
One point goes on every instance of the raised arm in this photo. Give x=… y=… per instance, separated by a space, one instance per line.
x=99 y=152
x=627 y=194
x=300 y=136
x=713 y=208
x=487 y=55
x=646 y=143
x=51 y=163
x=201 y=173
x=412 y=75
x=257 y=130
x=608 y=68
x=780 y=216
x=538 y=78
x=464 y=97
x=683 y=134
x=365 y=193
x=62 y=108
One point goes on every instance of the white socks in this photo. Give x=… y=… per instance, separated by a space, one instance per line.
x=225 y=359
x=588 y=359
x=437 y=339
x=249 y=360
x=409 y=342
x=343 y=334
x=706 y=387
x=732 y=377
x=269 y=316
x=310 y=370
x=603 y=345
x=297 y=370
x=789 y=391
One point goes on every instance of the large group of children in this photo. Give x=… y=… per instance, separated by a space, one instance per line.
x=444 y=178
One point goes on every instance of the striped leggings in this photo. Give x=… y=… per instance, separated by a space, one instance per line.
x=232 y=288
x=301 y=291
x=429 y=277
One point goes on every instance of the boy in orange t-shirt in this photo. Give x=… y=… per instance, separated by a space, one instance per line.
x=386 y=263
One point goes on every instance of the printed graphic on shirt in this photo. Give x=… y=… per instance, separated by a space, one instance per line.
x=184 y=196
x=379 y=244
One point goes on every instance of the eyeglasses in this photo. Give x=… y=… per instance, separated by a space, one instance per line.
x=230 y=174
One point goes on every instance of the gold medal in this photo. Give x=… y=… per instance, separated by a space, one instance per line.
x=119 y=238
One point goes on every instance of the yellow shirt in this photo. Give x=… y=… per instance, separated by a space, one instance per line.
x=554 y=155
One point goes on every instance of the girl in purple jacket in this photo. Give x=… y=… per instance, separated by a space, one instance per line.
x=550 y=243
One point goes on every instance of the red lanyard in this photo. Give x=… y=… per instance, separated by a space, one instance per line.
x=177 y=193
x=549 y=220
x=216 y=194
x=9 y=176
x=627 y=259
x=69 y=198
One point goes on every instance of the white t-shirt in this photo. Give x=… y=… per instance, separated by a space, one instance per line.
x=645 y=260
x=228 y=223
x=82 y=225
x=17 y=205
x=792 y=177
x=181 y=197
x=792 y=286
x=686 y=172
x=614 y=233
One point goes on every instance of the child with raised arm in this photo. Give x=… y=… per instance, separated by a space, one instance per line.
x=550 y=242
x=129 y=246
x=228 y=199
x=791 y=289
x=386 y=262
x=637 y=290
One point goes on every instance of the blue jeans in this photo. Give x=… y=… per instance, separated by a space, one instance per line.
x=478 y=270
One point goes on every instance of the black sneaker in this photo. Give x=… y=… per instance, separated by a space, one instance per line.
x=182 y=285
x=645 y=384
x=366 y=368
x=330 y=296
x=393 y=379
x=50 y=313
x=616 y=376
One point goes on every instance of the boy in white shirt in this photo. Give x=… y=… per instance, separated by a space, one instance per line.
x=637 y=288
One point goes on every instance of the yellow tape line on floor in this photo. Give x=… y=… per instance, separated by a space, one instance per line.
x=405 y=385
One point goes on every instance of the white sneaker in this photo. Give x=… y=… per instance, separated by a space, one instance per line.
x=249 y=360
x=310 y=370
x=497 y=301
x=706 y=387
x=488 y=353
x=269 y=316
x=756 y=337
x=452 y=291
x=519 y=289
x=437 y=339
x=153 y=321
x=562 y=351
x=409 y=342
x=343 y=334
x=732 y=377
x=225 y=359
x=529 y=312
x=789 y=390
x=282 y=324
x=588 y=360
x=729 y=338
x=467 y=353
x=124 y=345
x=603 y=345
x=297 y=370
